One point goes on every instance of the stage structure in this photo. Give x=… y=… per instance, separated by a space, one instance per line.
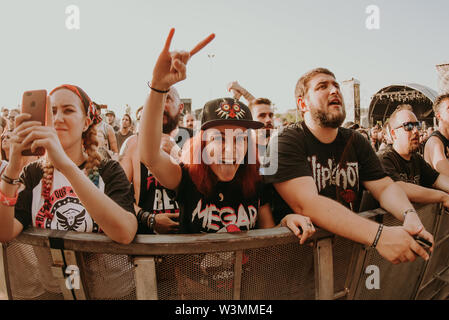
x=351 y=94
x=443 y=77
x=385 y=101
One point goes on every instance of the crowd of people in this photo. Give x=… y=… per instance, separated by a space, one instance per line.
x=157 y=175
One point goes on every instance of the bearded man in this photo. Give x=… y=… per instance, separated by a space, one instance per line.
x=323 y=168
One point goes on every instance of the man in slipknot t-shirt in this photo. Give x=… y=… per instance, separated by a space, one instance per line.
x=322 y=169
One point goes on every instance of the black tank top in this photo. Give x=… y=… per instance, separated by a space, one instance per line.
x=443 y=139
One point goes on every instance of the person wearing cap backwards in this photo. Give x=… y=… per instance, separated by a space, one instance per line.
x=322 y=169
x=71 y=188
x=218 y=186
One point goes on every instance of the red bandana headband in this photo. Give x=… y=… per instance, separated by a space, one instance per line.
x=92 y=112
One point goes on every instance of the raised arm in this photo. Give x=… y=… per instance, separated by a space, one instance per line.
x=170 y=68
x=238 y=91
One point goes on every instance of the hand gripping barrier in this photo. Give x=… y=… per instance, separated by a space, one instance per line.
x=259 y=264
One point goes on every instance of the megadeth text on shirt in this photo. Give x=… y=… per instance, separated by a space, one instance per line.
x=225 y=219
x=331 y=174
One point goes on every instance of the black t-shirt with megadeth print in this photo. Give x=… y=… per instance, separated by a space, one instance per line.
x=66 y=211
x=227 y=210
x=338 y=168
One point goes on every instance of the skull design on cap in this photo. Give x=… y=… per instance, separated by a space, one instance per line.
x=226 y=111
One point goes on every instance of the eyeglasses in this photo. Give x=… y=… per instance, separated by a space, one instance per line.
x=408 y=126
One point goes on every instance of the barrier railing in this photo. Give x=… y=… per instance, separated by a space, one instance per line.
x=258 y=264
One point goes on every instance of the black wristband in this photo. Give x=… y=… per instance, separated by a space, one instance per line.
x=152 y=221
x=157 y=90
x=376 y=239
x=139 y=214
x=143 y=217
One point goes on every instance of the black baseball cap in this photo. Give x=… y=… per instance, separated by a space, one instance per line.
x=227 y=111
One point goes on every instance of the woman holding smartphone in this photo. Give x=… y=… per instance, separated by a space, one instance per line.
x=71 y=187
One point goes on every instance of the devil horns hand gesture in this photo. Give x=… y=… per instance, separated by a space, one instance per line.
x=170 y=67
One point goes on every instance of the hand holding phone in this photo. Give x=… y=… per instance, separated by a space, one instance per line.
x=35 y=103
x=426 y=244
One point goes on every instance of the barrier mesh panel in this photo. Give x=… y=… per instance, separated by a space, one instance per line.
x=108 y=276
x=342 y=254
x=396 y=281
x=196 y=277
x=431 y=290
x=27 y=273
x=444 y=226
x=439 y=259
x=278 y=272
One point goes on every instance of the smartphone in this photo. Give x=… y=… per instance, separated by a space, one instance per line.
x=426 y=244
x=34 y=102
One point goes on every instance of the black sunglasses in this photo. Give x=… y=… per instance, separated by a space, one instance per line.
x=408 y=126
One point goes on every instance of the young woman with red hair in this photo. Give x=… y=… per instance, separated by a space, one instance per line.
x=218 y=182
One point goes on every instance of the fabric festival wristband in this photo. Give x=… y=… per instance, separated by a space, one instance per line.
x=376 y=239
x=10 y=202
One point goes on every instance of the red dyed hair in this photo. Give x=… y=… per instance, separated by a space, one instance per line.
x=247 y=176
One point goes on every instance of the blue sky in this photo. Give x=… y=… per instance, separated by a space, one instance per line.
x=265 y=45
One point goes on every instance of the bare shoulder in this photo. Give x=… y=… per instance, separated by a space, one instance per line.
x=433 y=144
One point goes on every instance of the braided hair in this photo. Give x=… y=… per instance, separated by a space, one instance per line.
x=90 y=145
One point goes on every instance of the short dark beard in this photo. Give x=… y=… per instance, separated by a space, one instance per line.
x=412 y=149
x=326 y=120
x=172 y=123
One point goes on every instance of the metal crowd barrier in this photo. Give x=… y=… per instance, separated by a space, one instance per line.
x=254 y=265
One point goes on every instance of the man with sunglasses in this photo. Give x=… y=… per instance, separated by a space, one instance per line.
x=406 y=166
x=436 y=150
